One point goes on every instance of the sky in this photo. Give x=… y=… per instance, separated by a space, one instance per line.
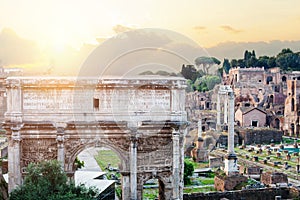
x=208 y=22
x=58 y=24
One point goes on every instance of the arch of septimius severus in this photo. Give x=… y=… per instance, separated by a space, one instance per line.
x=142 y=119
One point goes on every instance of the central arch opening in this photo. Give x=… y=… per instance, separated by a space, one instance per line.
x=99 y=167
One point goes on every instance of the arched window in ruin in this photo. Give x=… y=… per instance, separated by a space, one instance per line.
x=207 y=105
x=236 y=78
x=277 y=123
x=247 y=104
x=293 y=104
x=283 y=78
x=269 y=79
x=293 y=88
x=271 y=98
x=279 y=112
x=292 y=129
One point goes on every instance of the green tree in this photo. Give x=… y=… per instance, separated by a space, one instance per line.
x=188 y=171
x=241 y=63
x=272 y=62
x=206 y=83
x=200 y=84
x=190 y=72
x=263 y=61
x=47 y=181
x=211 y=81
x=226 y=65
x=207 y=62
x=234 y=63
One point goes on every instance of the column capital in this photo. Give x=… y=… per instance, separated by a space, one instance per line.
x=231 y=95
x=175 y=132
x=134 y=140
x=60 y=127
x=16 y=135
x=60 y=138
x=16 y=127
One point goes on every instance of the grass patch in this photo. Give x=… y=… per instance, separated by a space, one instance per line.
x=106 y=157
x=200 y=189
x=150 y=194
x=209 y=181
x=198 y=165
x=203 y=181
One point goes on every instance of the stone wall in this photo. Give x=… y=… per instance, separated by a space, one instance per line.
x=252 y=194
x=273 y=178
x=223 y=139
x=250 y=170
x=260 y=136
x=227 y=183
x=215 y=162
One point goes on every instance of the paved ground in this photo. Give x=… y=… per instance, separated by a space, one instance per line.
x=90 y=163
x=91 y=170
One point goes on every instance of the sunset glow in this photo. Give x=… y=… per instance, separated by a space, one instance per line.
x=57 y=26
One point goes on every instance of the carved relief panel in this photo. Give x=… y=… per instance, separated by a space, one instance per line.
x=34 y=150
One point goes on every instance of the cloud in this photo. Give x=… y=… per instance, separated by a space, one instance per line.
x=230 y=29
x=121 y=28
x=199 y=28
x=16 y=50
x=236 y=50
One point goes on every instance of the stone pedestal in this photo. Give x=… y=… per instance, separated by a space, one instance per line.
x=125 y=185
x=226 y=183
x=231 y=165
x=202 y=155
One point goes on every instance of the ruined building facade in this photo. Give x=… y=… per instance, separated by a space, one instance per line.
x=292 y=107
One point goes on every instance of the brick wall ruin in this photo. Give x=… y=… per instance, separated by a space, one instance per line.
x=259 y=136
x=252 y=194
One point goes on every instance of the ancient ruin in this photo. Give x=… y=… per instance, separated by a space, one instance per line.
x=142 y=119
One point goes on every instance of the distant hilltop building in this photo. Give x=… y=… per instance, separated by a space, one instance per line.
x=292 y=107
x=270 y=90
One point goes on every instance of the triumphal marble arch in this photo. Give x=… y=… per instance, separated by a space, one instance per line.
x=142 y=119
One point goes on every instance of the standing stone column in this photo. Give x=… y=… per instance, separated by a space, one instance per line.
x=225 y=110
x=181 y=160
x=176 y=160
x=133 y=168
x=218 y=113
x=200 y=128
x=60 y=127
x=231 y=124
x=231 y=159
x=14 y=158
x=60 y=138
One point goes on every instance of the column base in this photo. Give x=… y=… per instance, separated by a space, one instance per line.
x=231 y=167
